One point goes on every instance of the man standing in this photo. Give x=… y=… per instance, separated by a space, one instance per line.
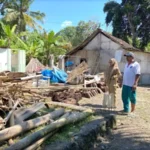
x=130 y=81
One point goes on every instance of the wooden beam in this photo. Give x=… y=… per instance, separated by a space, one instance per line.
x=28 y=125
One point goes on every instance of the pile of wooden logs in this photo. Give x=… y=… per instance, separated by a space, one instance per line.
x=7 y=76
x=51 y=122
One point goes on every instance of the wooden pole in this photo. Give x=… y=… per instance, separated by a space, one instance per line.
x=69 y=106
x=28 y=140
x=10 y=113
x=30 y=111
x=30 y=77
x=36 y=145
x=28 y=125
x=11 y=121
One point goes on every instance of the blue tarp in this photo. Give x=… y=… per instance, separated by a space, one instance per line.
x=56 y=75
x=47 y=73
x=69 y=63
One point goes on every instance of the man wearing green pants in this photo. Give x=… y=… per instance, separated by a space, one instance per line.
x=130 y=81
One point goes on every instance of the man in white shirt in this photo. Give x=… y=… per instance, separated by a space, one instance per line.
x=130 y=81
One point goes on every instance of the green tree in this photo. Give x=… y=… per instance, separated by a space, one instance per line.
x=69 y=34
x=18 y=12
x=76 y=35
x=9 y=34
x=41 y=45
x=85 y=29
x=147 y=48
x=53 y=44
x=33 y=44
x=130 y=18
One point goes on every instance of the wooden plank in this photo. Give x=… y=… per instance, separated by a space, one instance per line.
x=77 y=71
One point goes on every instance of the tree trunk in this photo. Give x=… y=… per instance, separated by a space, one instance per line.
x=11 y=121
x=28 y=140
x=36 y=145
x=133 y=30
x=30 y=111
x=51 y=61
x=28 y=125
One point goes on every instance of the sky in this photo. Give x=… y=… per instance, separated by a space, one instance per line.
x=62 y=13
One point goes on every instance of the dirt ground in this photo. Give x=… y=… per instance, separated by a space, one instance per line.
x=132 y=133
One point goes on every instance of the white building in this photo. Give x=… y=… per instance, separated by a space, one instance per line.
x=98 y=48
x=10 y=61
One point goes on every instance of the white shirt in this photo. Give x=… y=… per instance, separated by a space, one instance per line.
x=130 y=72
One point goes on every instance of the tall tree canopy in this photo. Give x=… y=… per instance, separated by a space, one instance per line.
x=78 y=34
x=18 y=12
x=130 y=18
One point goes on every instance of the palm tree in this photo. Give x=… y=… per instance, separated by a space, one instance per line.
x=18 y=13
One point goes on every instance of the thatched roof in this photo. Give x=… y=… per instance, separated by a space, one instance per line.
x=122 y=43
x=34 y=66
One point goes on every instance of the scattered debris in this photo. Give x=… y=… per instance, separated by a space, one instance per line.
x=79 y=70
x=20 y=103
x=34 y=66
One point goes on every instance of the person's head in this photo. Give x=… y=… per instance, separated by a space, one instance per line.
x=129 y=57
x=112 y=62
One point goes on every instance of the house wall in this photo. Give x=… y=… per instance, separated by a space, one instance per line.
x=101 y=49
x=5 y=59
x=21 y=60
x=14 y=62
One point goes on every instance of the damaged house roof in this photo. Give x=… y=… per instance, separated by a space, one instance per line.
x=122 y=43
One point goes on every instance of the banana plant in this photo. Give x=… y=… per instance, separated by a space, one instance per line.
x=9 y=33
x=33 y=48
x=3 y=43
x=53 y=44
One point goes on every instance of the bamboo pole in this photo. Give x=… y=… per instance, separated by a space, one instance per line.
x=69 y=106
x=28 y=140
x=30 y=111
x=39 y=142
x=28 y=125
x=11 y=121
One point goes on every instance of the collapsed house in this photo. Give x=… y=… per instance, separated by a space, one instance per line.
x=34 y=66
x=101 y=46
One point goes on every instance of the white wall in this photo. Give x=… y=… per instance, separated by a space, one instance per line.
x=12 y=61
x=5 y=59
x=101 y=49
x=108 y=49
x=21 y=61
